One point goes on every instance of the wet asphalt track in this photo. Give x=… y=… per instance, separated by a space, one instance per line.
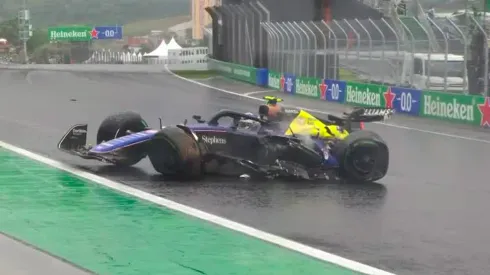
x=428 y=216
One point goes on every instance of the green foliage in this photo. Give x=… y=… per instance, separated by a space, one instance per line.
x=38 y=38
x=9 y=30
x=57 y=12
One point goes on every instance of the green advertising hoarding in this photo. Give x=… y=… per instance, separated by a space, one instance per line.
x=307 y=86
x=70 y=33
x=275 y=80
x=235 y=71
x=454 y=107
x=366 y=95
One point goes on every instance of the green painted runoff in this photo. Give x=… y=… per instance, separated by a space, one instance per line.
x=115 y=234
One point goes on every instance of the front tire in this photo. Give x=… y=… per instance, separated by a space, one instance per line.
x=118 y=125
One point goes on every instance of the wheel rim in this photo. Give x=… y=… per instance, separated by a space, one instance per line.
x=364 y=157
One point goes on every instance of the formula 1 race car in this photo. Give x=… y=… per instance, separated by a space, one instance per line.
x=236 y=149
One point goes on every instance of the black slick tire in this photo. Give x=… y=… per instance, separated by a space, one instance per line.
x=363 y=157
x=176 y=154
x=118 y=125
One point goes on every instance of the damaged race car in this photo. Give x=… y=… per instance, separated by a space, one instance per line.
x=297 y=146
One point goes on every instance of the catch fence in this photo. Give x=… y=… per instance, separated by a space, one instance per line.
x=445 y=54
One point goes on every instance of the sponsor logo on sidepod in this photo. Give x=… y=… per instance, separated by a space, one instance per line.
x=213 y=140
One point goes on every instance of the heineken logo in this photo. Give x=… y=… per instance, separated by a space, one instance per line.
x=274 y=81
x=241 y=72
x=306 y=89
x=453 y=109
x=54 y=35
x=363 y=97
x=224 y=68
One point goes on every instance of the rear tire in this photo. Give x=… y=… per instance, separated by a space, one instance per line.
x=176 y=154
x=118 y=125
x=363 y=156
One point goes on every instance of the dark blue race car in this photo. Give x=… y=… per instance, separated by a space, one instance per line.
x=235 y=144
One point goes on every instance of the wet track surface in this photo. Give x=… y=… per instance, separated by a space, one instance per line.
x=428 y=216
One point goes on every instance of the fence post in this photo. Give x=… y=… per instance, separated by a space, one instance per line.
x=240 y=45
x=324 y=50
x=268 y=19
x=276 y=48
x=485 y=56
x=446 y=50
x=307 y=48
x=280 y=51
x=345 y=33
x=295 y=50
x=246 y=35
x=269 y=37
x=370 y=43
x=335 y=47
x=253 y=50
x=261 y=45
x=412 y=39
x=232 y=32
x=315 y=49
x=358 y=38
x=300 y=69
x=289 y=49
x=465 y=54
x=429 y=53
x=396 y=35
x=383 y=40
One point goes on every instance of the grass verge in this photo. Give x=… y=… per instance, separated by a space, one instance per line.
x=196 y=74
x=347 y=75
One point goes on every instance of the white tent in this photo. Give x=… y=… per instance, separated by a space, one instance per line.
x=173 y=45
x=160 y=51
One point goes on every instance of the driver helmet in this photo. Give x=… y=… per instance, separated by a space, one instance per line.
x=271 y=111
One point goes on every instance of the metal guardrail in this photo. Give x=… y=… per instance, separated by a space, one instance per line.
x=373 y=50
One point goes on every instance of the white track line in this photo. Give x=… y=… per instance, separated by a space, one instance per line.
x=258 y=92
x=310 y=251
x=248 y=95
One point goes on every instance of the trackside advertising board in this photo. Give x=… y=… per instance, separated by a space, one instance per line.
x=234 y=71
x=257 y=76
x=467 y=109
x=459 y=108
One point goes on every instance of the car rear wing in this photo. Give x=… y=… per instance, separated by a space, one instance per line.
x=369 y=114
x=363 y=115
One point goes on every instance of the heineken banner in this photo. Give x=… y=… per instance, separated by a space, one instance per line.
x=276 y=81
x=366 y=95
x=289 y=86
x=333 y=90
x=454 y=107
x=469 y=109
x=235 y=71
x=403 y=100
x=70 y=33
x=307 y=86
